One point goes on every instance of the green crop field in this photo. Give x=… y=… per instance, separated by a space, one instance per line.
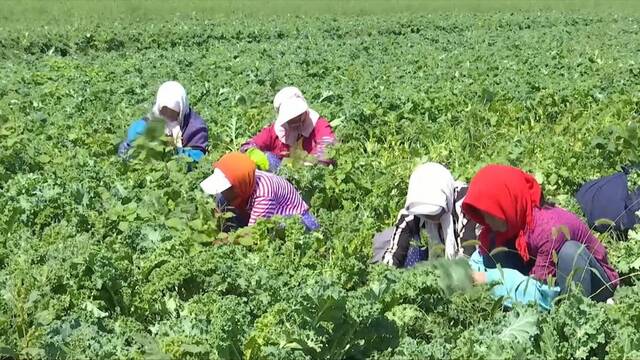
x=105 y=259
x=141 y=11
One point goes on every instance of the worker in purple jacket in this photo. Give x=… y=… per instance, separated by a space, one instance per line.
x=185 y=127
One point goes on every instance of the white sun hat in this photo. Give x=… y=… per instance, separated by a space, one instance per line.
x=216 y=183
x=290 y=108
x=285 y=93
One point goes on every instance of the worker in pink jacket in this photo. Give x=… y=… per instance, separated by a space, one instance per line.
x=296 y=125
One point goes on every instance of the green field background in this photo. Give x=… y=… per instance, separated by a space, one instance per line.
x=106 y=259
x=21 y=12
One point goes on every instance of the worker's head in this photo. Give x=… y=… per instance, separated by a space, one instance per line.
x=431 y=192
x=171 y=103
x=233 y=177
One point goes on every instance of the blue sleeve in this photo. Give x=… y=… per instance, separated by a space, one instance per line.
x=517 y=287
x=136 y=129
x=514 y=286
x=476 y=262
x=194 y=154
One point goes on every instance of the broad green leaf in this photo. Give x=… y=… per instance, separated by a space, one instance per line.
x=93 y=309
x=520 y=328
x=174 y=223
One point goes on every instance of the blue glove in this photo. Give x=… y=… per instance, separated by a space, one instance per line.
x=123 y=149
x=310 y=221
x=221 y=202
x=274 y=162
x=193 y=154
x=234 y=222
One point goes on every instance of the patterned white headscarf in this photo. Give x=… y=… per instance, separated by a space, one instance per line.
x=288 y=103
x=432 y=191
x=172 y=95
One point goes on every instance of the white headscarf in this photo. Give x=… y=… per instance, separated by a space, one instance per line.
x=288 y=103
x=172 y=95
x=432 y=190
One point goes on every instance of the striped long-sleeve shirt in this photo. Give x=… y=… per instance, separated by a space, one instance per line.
x=408 y=228
x=274 y=195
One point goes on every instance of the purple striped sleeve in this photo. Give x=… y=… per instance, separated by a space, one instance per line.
x=263 y=208
x=274 y=196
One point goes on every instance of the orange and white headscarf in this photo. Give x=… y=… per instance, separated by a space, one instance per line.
x=240 y=172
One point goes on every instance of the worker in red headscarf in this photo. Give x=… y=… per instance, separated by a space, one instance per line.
x=509 y=205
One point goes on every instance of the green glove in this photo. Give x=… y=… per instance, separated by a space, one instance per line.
x=260 y=158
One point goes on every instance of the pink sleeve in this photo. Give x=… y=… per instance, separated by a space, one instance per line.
x=264 y=140
x=542 y=246
x=323 y=131
x=324 y=136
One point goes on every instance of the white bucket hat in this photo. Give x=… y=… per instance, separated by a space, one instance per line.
x=290 y=108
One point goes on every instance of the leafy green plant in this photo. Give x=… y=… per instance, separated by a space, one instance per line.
x=103 y=258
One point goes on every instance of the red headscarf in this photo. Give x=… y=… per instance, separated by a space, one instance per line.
x=240 y=170
x=507 y=193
